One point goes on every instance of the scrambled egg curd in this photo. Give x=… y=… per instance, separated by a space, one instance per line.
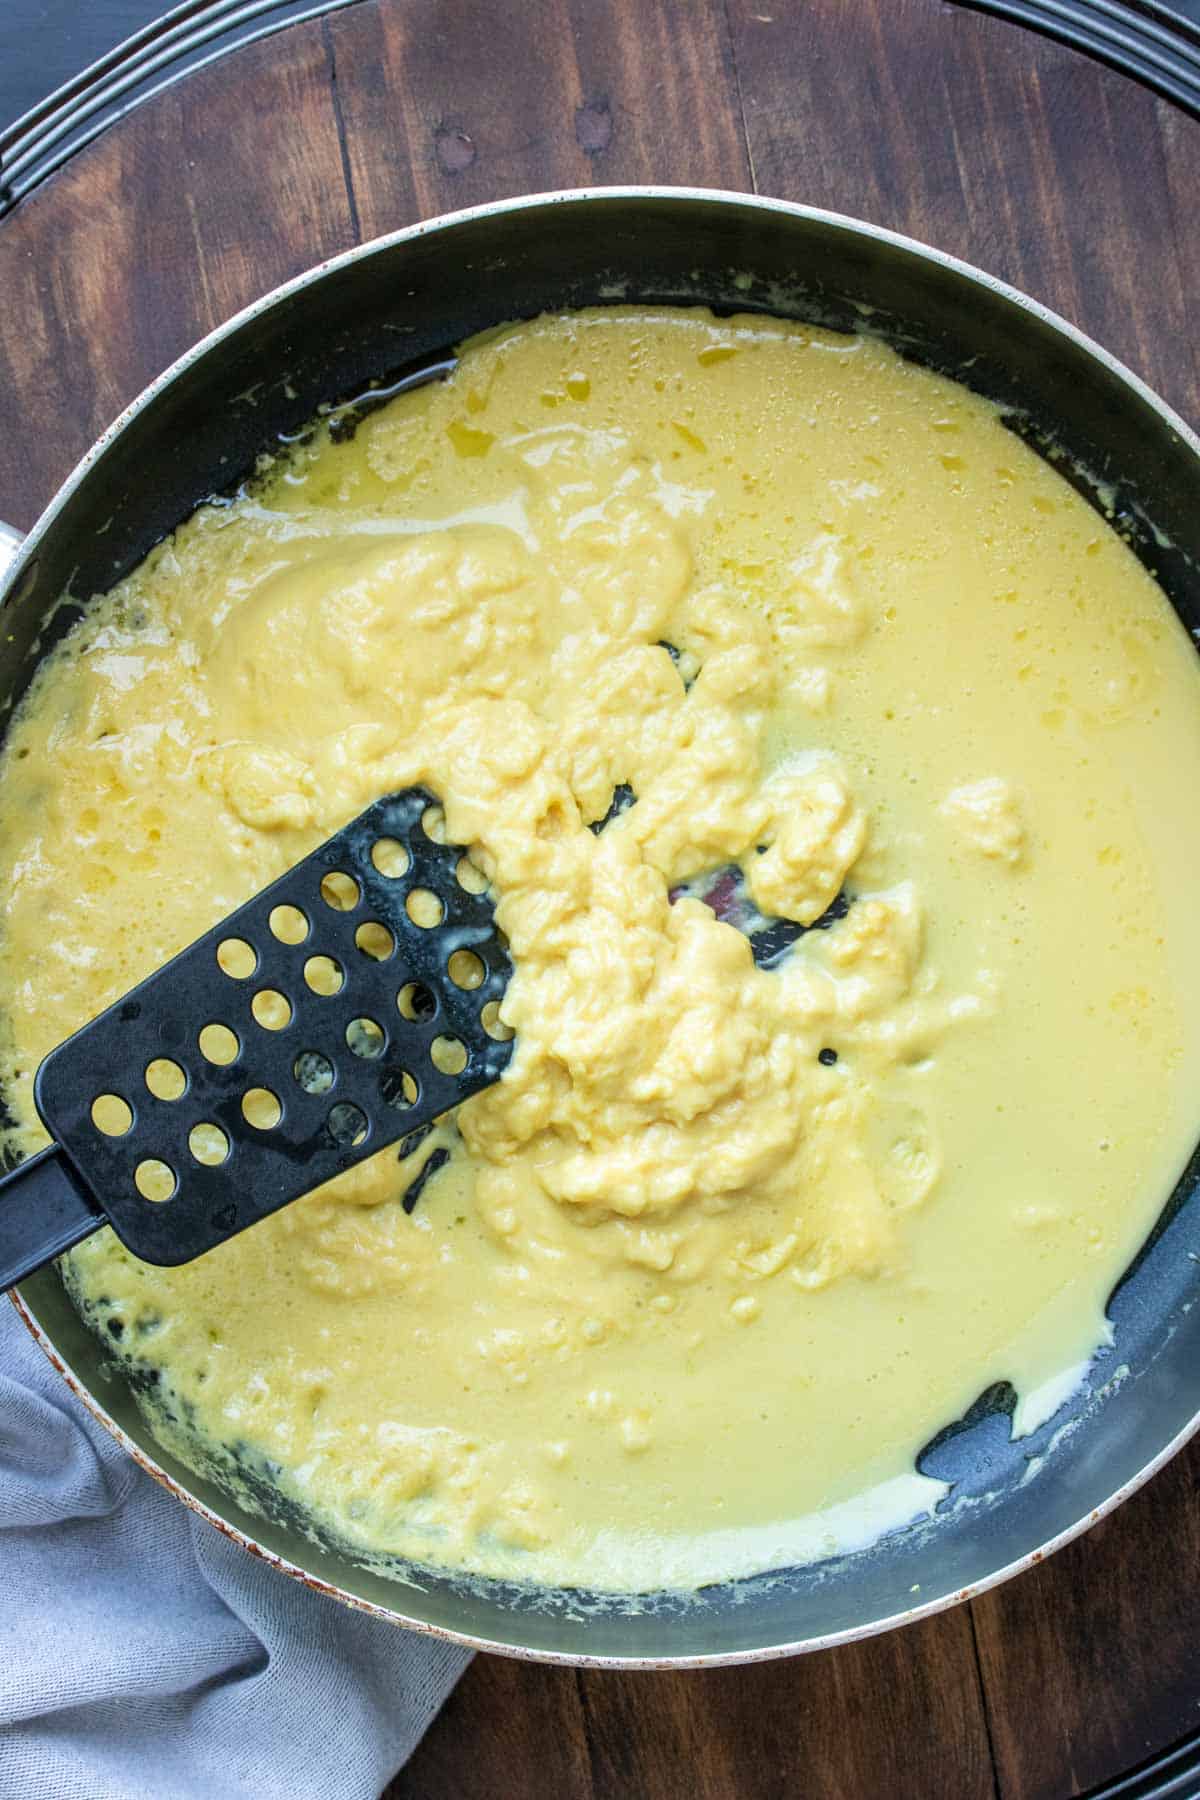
x=661 y=607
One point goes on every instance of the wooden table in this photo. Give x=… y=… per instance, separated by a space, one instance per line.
x=969 y=133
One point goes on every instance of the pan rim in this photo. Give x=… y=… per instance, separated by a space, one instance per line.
x=585 y=1659
x=10 y=582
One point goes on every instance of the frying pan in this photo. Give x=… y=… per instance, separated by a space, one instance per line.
x=391 y=306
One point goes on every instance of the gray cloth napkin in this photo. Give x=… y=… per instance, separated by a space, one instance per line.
x=142 y=1653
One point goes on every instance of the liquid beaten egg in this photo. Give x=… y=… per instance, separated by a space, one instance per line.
x=652 y=602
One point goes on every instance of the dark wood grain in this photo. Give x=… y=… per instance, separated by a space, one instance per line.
x=998 y=146
x=1093 y=1662
x=202 y=200
x=886 y=1718
x=964 y=131
x=1181 y=146
x=445 y=107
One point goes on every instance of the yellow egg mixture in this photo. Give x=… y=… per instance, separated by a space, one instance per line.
x=688 y=1296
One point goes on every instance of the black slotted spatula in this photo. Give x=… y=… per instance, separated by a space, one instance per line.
x=351 y=1002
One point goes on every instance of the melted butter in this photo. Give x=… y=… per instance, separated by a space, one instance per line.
x=687 y=1297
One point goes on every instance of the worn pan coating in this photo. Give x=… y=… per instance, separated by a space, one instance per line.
x=400 y=301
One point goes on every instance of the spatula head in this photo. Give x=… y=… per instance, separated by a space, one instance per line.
x=342 y=1008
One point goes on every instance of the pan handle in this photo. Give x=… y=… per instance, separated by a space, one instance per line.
x=10 y=542
x=44 y=1209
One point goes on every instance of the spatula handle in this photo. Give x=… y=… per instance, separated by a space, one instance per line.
x=44 y=1209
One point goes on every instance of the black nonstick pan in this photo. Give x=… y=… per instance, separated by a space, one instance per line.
x=398 y=305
